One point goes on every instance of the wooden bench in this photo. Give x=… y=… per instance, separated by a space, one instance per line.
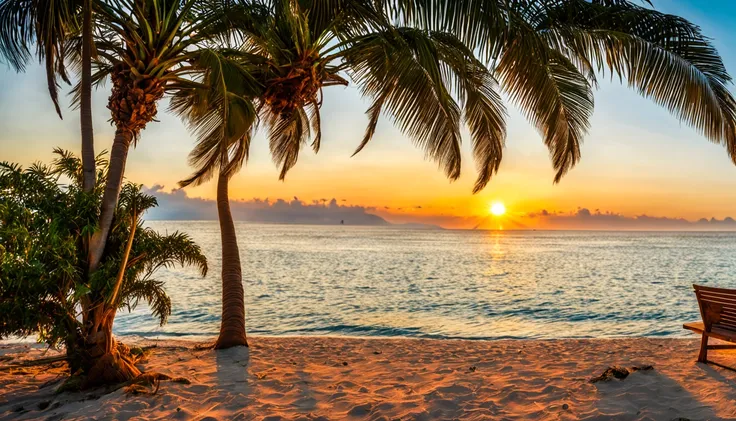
x=718 y=311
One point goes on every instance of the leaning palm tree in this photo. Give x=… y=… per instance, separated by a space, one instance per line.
x=546 y=56
x=50 y=25
x=149 y=48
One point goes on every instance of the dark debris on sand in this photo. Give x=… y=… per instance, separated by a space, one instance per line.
x=617 y=372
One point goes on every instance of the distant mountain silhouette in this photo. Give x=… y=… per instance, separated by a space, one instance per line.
x=176 y=205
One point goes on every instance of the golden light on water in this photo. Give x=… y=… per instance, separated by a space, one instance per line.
x=497 y=209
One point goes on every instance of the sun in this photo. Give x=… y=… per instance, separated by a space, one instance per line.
x=497 y=209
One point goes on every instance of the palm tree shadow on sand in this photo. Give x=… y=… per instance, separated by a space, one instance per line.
x=247 y=381
x=232 y=375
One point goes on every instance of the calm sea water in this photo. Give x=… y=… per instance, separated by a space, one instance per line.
x=368 y=281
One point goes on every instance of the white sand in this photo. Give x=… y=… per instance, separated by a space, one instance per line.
x=385 y=379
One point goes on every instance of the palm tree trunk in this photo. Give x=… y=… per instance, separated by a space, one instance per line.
x=124 y=261
x=85 y=117
x=118 y=158
x=232 y=326
x=102 y=359
x=85 y=102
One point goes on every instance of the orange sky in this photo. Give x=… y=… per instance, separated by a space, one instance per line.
x=637 y=159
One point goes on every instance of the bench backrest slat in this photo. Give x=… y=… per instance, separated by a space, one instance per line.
x=727 y=323
x=714 y=289
x=725 y=302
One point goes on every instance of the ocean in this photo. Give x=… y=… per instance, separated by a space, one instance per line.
x=400 y=282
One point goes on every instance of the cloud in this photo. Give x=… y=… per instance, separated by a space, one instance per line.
x=176 y=205
x=583 y=218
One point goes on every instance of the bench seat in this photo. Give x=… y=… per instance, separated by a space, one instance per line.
x=723 y=334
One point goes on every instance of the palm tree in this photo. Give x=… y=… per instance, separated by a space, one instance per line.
x=149 y=48
x=51 y=25
x=133 y=256
x=223 y=116
x=294 y=56
x=546 y=55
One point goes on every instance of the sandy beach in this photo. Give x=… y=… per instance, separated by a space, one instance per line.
x=384 y=379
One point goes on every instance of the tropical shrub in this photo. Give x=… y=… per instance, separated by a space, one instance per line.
x=44 y=286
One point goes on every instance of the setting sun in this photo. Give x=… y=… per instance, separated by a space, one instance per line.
x=498 y=209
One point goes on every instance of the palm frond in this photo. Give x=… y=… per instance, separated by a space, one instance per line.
x=484 y=112
x=552 y=93
x=663 y=57
x=169 y=250
x=17 y=24
x=485 y=117
x=287 y=133
x=45 y=24
x=413 y=75
x=401 y=70
x=480 y=24
x=67 y=164
x=220 y=114
x=133 y=201
x=151 y=291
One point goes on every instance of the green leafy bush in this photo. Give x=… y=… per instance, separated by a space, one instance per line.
x=46 y=220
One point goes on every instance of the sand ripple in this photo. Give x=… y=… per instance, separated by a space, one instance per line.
x=322 y=378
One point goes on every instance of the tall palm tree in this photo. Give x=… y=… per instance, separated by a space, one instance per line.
x=149 y=48
x=546 y=55
x=50 y=25
x=296 y=52
x=223 y=117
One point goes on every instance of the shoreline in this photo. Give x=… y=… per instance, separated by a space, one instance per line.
x=320 y=377
x=206 y=338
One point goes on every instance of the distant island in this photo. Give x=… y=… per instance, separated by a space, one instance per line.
x=176 y=205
